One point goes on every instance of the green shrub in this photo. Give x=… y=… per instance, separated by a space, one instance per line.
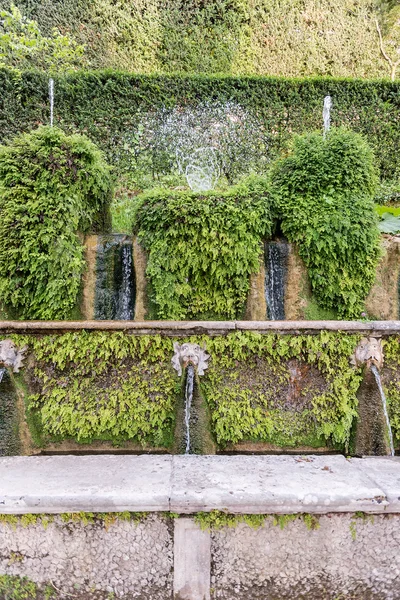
x=51 y=186
x=203 y=248
x=23 y=46
x=323 y=193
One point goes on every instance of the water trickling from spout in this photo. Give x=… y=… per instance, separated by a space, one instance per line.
x=276 y=254
x=383 y=397
x=51 y=97
x=2 y=371
x=188 y=405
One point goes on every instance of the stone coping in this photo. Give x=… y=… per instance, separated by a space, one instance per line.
x=188 y=484
x=212 y=328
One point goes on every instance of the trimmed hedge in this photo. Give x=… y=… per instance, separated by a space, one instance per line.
x=276 y=37
x=108 y=105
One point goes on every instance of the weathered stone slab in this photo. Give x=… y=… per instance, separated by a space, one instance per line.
x=213 y=328
x=192 y=561
x=188 y=484
x=272 y=484
x=57 y=484
x=385 y=471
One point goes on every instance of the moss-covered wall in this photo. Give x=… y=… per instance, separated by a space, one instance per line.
x=101 y=390
x=119 y=389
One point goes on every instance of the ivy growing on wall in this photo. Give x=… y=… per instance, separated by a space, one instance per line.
x=51 y=186
x=203 y=248
x=323 y=194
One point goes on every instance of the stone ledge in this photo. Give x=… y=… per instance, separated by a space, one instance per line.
x=212 y=328
x=188 y=484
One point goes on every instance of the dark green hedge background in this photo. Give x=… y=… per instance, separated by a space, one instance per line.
x=106 y=105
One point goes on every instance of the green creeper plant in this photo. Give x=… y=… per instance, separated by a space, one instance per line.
x=51 y=186
x=323 y=192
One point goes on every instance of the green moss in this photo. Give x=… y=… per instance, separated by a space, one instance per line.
x=314 y=312
x=216 y=519
x=85 y=518
x=21 y=588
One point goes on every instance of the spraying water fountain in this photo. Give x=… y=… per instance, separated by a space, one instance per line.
x=326 y=114
x=51 y=98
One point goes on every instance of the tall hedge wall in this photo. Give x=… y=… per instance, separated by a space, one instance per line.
x=106 y=105
x=275 y=37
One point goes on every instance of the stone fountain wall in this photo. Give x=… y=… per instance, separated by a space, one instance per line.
x=382 y=302
x=346 y=557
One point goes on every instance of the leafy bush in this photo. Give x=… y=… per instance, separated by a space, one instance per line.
x=23 y=46
x=51 y=186
x=323 y=192
x=202 y=248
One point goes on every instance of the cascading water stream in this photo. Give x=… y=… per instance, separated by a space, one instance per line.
x=115 y=279
x=384 y=404
x=276 y=254
x=9 y=439
x=188 y=405
x=124 y=302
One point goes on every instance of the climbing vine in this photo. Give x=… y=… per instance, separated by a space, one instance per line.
x=51 y=186
x=323 y=194
x=203 y=248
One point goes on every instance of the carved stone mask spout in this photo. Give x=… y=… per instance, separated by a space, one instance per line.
x=368 y=352
x=192 y=354
x=10 y=356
